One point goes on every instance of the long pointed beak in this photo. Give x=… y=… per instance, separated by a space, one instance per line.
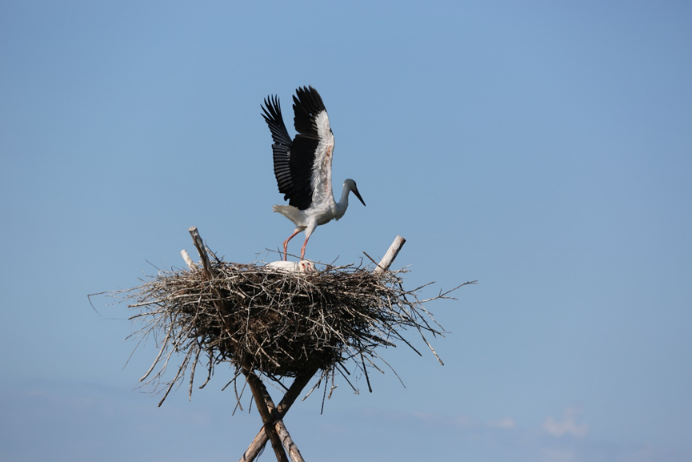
x=357 y=194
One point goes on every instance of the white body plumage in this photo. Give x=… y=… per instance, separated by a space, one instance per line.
x=303 y=266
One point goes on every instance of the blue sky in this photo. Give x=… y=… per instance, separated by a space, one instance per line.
x=541 y=148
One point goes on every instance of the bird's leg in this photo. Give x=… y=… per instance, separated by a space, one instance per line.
x=303 y=249
x=286 y=242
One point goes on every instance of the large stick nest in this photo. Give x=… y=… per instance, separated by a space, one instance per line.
x=276 y=323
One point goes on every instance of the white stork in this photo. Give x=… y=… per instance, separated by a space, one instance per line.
x=304 y=266
x=303 y=168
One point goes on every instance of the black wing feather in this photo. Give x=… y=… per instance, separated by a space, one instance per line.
x=281 y=148
x=293 y=161
x=307 y=105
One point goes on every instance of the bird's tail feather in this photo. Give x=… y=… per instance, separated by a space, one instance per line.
x=290 y=212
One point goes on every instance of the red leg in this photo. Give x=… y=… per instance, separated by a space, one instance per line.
x=286 y=242
x=303 y=249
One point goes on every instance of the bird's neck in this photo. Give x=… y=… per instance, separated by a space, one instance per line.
x=343 y=203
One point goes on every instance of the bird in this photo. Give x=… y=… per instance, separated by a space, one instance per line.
x=304 y=266
x=303 y=167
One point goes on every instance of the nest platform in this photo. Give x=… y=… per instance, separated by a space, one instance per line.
x=276 y=323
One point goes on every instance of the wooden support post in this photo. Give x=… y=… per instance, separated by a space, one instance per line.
x=200 y=246
x=269 y=419
x=283 y=433
x=261 y=439
x=187 y=259
x=390 y=255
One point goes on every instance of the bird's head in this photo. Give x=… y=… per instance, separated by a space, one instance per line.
x=351 y=186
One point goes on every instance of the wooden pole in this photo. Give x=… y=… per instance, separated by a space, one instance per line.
x=261 y=439
x=269 y=420
x=390 y=255
x=188 y=260
x=200 y=246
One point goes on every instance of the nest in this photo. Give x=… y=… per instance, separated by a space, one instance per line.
x=276 y=323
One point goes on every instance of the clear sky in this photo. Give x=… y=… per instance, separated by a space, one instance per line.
x=542 y=148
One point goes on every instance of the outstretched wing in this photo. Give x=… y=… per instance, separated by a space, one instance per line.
x=281 y=148
x=311 y=157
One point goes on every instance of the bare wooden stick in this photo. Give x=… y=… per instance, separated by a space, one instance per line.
x=390 y=255
x=200 y=246
x=261 y=439
x=188 y=260
x=269 y=418
x=284 y=436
